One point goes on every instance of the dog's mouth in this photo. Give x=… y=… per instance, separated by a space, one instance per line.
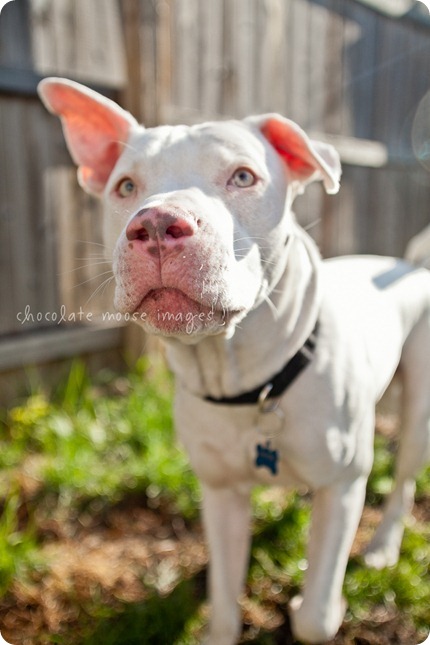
x=171 y=312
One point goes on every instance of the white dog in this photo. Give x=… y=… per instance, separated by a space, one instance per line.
x=279 y=357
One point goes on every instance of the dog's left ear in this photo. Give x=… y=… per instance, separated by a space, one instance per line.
x=307 y=160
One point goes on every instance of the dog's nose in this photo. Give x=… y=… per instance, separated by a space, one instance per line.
x=155 y=223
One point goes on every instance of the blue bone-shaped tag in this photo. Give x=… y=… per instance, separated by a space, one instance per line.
x=266 y=457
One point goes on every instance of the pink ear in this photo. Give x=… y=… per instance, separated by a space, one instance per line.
x=95 y=128
x=307 y=160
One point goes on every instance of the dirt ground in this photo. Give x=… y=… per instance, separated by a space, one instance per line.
x=133 y=548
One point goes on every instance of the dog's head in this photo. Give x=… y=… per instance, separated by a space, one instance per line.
x=196 y=218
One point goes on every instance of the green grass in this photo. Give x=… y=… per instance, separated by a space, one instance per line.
x=86 y=448
x=94 y=445
x=91 y=445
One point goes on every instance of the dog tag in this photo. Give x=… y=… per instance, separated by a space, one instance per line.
x=269 y=423
x=267 y=457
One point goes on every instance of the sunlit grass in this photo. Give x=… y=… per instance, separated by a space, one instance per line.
x=94 y=444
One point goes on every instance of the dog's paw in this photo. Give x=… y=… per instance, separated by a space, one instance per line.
x=222 y=635
x=384 y=549
x=214 y=639
x=313 y=626
x=379 y=558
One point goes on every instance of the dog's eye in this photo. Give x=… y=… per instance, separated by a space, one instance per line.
x=243 y=178
x=126 y=187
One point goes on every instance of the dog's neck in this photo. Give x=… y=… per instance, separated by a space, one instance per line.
x=265 y=340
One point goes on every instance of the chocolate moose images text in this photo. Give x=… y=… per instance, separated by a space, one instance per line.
x=191 y=320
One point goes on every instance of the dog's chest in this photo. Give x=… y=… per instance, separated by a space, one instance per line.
x=230 y=446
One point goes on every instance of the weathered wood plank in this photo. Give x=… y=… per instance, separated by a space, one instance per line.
x=320 y=65
x=271 y=58
x=84 y=276
x=7 y=321
x=354 y=151
x=131 y=95
x=57 y=344
x=79 y=39
x=298 y=36
x=337 y=117
x=164 y=66
x=212 y=17
x=245 y=51
x=187 y=54
x=359 y=59
x=21 y=224
x=15 y=50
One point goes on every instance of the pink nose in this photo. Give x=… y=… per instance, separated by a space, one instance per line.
x=156 y=224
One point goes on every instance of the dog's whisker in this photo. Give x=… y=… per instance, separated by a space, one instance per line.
x=84 y=266
x=262 y=260
x=124 y=144
x=249 y=238
x=93 y=243
x=271 y=305
x=250 y=246
x=312 y=224
x=248 y=250
x=101 y=288
x=93 y=256
x=94 y=277
x=244 y=249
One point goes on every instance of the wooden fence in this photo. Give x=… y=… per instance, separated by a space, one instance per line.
x=345 y=72
x=50 y=231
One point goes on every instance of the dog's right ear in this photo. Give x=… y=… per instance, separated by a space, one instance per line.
x=306 y=159
x=95 y=128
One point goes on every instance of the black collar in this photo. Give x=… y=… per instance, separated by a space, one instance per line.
x=278 y=383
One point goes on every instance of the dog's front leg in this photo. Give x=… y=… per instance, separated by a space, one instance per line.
x=317 y=616
x=226 y=515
